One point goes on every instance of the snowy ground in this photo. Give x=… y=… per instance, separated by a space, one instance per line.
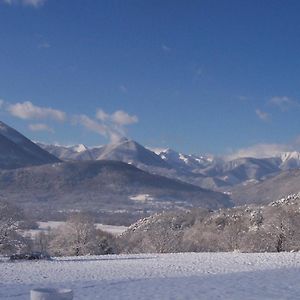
x=159 y=276
x=44 y=226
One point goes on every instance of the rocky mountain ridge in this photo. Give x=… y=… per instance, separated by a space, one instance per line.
x=205 y=171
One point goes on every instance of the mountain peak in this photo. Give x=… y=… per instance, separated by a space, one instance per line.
x=123 y=139
x=290 y=155
x=79 y=148
x=119 y=141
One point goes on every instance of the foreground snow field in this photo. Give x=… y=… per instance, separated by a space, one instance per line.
x=159 y=276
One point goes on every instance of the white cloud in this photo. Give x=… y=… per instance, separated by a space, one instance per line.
x=29 y=111
x=262 y=115
x=106 y=130
x=165 y=48
x=243 y=98
x=262 y=151
x=119 y=117
x=91 y=124
x=102 y=115
x=33 y=3
x=123 y=88
x=111 y=126
x=283 y=102
x=44 y=45
x=107 y=125
x=40 y=127
x=122 y=118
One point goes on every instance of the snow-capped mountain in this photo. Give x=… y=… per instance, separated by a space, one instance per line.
x=205 y=171
x=246 y=179
x=131 y=152
x=69 y=153
x=96 y=180
x=18 y=151
x=218 y=172
x=242 y=169
x=185 y=162
x=79 y=148
x=124 y=150
x=290 y=160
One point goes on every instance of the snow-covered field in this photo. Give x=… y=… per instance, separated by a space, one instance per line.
x=44 y=226
x=159 y=276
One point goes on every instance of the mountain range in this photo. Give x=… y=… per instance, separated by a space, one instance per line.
x=102 y=186
x=205 y=171
x=124 y=150
x=93 y=180
x=128 y=178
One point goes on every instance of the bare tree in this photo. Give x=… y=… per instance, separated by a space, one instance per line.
x=79 y=236
x=42 y=240
x=10 y=240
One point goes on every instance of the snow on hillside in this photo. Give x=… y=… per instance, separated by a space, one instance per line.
x=44 y=226
x=290 y=160
x=159 y=276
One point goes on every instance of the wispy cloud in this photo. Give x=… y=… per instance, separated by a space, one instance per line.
x=119 y=117
x=102 y=115
x=264 y=116
x=40 y=127
x=261 y=151
x=243 y=98
x=44 y=45
x=112 y=126
x=33 y=3
x=90 y=124
x=29 y=111
x=284 y=103
x=165 y=48
x=264 y=150
x=123 y=88
x=122 y=118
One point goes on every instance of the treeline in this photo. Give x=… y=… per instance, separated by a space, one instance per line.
x=12 y=222
x=271 y=228
x=77 y=236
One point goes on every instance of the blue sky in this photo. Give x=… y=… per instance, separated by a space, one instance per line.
x=197 y=76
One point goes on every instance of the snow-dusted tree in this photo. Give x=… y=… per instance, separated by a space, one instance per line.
x=79 y=236
x=42 y=240
x=273 y=228
x=160 y=233
x=235 y=229
x=282 y=226
x=10 y=240
x=104 y=243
